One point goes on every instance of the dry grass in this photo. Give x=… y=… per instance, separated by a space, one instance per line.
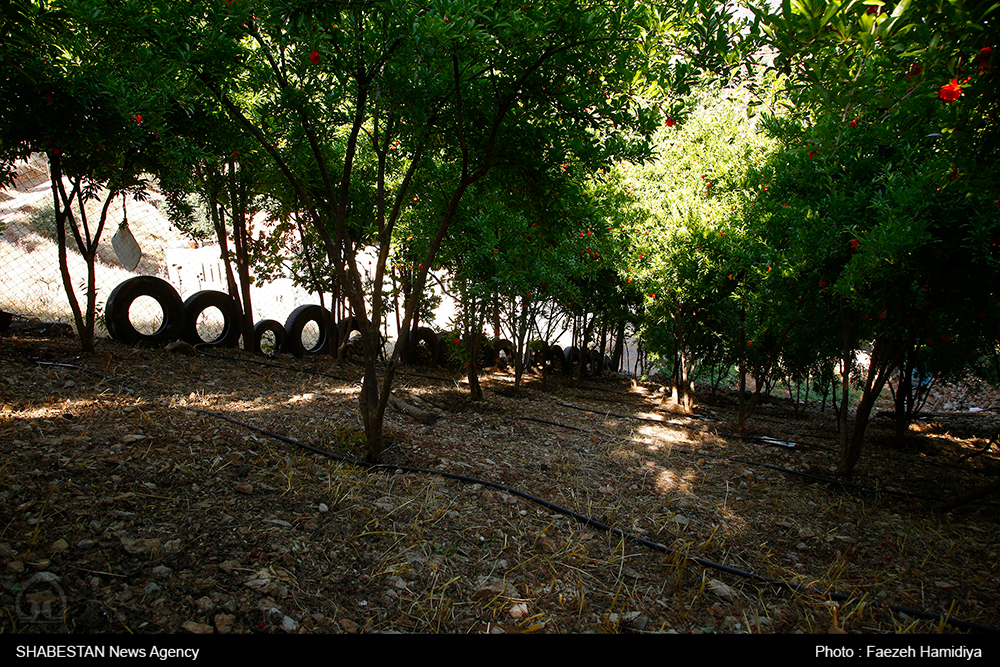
x=225 y=523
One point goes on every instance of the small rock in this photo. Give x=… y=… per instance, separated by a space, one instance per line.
x=548 y=545
x=244 y=488
x=196 y=628
x=722 y=590
x=60 y=545
x=137 y=547
x=83 y=545
x=224 y=623
x=633 y=620
x=288 y=624
x=162 y=572
x=518 y=611
x=323 y=508
x=152 y=589
x=205 y=604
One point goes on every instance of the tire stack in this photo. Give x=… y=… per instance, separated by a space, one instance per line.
x=180 y=321
x=269 y=337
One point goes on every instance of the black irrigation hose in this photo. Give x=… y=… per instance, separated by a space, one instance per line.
x=656 y=546
x=689 y=427
x=825 y=480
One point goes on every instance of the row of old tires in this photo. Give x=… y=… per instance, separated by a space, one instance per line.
x=180 y=321
x=427 y=348
x=269 y=337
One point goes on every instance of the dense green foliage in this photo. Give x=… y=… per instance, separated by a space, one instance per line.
x=809 y=193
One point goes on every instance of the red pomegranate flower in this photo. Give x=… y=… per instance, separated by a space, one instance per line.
x=670 y=122
x=950 y=91
x=984 y=58
x=314 y=57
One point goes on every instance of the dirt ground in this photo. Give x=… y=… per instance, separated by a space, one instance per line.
x=135 y=510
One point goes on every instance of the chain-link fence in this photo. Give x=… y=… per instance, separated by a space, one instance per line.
x=32 y=285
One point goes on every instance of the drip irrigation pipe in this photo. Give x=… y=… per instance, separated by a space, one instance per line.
x=588 y=521
x=827 y=480
x=687 y=426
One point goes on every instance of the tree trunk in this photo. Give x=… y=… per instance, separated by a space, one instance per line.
x=879 y=371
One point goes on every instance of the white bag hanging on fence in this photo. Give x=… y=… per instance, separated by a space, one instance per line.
x=125 y=245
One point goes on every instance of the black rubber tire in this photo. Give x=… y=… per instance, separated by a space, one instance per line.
x=571 y=355
x=596 y=363
x=487 y=355
x=555 y=359
x=424 y=347
x=506 y=348
x=574 y=356
x=535 y=360
x=262 y=328
x=116 y=317
x=296 y=323
x=199 y=302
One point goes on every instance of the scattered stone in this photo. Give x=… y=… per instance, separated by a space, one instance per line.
x=205 y=604
x=519 y=611
x=162 y=572
x=323 y=508
x=633 y=620
x=722 y=590
x=289 y=625
x=196 y=628
x=83 y=545
x=138 y=547
x=224 y=623
x=59 y=545
x=152 y=589
x=245 y=488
